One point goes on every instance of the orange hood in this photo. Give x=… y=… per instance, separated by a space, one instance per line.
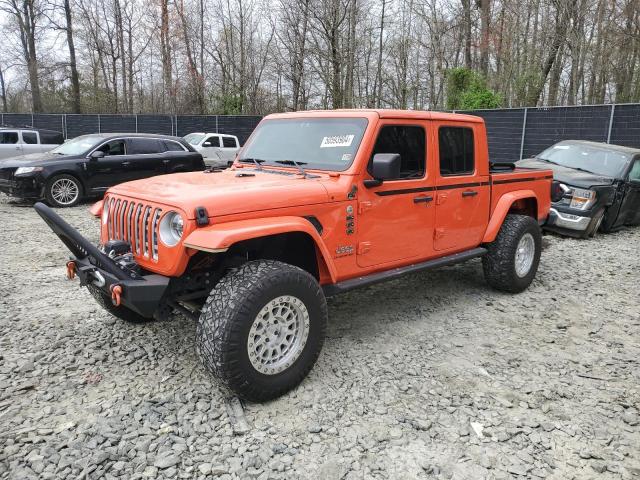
x=227 y=192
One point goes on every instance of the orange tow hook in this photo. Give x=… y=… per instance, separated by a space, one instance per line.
x=71 y=269
x=116 y=291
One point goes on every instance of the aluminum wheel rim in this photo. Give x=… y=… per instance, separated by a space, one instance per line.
x=278 y=335
x=65 y=191
x=524 y=255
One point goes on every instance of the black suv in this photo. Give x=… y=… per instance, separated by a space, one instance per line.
x=89 y=164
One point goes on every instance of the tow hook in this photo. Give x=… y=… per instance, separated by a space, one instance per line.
x=71 y=269
x=116 y=292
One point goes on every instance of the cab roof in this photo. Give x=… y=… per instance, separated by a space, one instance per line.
x=383 y=113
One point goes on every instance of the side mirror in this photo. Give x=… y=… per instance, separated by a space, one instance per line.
x=206 y=144
x=385 y=166
x=96 y=155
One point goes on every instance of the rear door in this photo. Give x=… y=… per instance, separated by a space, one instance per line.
x=629 y=213
x=229 y=148
x=395 y=220
x=30 y=142
x=463 y=193
x=10 y=144
x=146 y=158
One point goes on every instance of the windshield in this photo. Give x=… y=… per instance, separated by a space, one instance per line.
x=78 y=145
x=321 y=143
x=592 y=158
x=194 y=138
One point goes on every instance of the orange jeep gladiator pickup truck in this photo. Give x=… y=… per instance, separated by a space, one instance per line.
x=315 y=204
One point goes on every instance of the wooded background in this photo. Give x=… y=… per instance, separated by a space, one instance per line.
x=260 y=56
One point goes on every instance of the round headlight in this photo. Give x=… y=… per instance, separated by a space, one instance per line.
x=171 y=228
x=105 y=211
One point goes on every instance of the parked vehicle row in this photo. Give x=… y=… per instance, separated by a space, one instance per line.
x=88 y=165
x=314 y=204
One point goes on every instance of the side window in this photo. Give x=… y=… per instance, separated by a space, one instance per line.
x=114 y=147
x=456 y=151
x=214 y=141
x=146 y=146
x=51 y=138
x=634 y=174
x=173 y=146
x=30 y=137
x=229 y=142
x=409 y=142
x=8 y=137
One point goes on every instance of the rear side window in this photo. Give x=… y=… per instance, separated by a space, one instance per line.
x=214 y=141
x=229 y=142
x=456 y=151
x=409 y=142
x=173 y=146
x=634 y=174
x=51 y=138
x=8 y=137
x=30 y=137
x=145 y=146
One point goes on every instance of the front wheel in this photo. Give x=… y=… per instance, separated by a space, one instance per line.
x=512 y=259
x=262 y=328
x=63 y=191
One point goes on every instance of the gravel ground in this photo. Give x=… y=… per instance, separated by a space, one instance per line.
x=431 y=376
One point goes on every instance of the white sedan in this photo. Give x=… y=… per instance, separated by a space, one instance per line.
x=217 y=149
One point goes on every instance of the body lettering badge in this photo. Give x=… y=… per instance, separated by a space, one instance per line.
x=344 y=250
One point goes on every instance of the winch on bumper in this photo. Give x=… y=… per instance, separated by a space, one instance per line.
x=118 y=280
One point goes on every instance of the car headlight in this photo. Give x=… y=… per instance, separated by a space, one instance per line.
x=171 y=228
x=27 y=170
x=582 y=199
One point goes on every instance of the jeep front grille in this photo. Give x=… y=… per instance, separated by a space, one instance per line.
x=136 y=223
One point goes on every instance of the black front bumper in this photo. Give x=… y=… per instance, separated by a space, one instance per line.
x=140 y=293
x=28 y=187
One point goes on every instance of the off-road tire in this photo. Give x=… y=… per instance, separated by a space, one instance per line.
x=229 y=312
x=121 y=312
x=499 y=262
x=49 y=194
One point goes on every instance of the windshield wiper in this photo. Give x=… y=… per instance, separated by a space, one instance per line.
x=297 y=164
x=549 y=161
x=257 y=161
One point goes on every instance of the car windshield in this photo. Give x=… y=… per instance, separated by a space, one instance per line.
x=321 y=143
x=591 y=158
x=78 y=145
x=194 y=138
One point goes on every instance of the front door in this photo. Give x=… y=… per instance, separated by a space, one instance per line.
x=463 y=193
x=630 y=208
x=110 y=169
x=395 y=219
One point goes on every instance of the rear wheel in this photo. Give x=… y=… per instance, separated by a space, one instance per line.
x=512 y=259
x=63 y=191
x=262 y=328
x=121 y=312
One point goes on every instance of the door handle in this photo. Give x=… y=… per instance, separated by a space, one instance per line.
x=422 y=199
x=126 y=164
x=470 y=193
x=166 y=161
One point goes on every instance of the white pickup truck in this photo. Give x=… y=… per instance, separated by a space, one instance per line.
x=15 y=142
x=217 y=149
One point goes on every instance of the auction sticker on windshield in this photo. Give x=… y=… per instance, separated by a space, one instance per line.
x=337 y=141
